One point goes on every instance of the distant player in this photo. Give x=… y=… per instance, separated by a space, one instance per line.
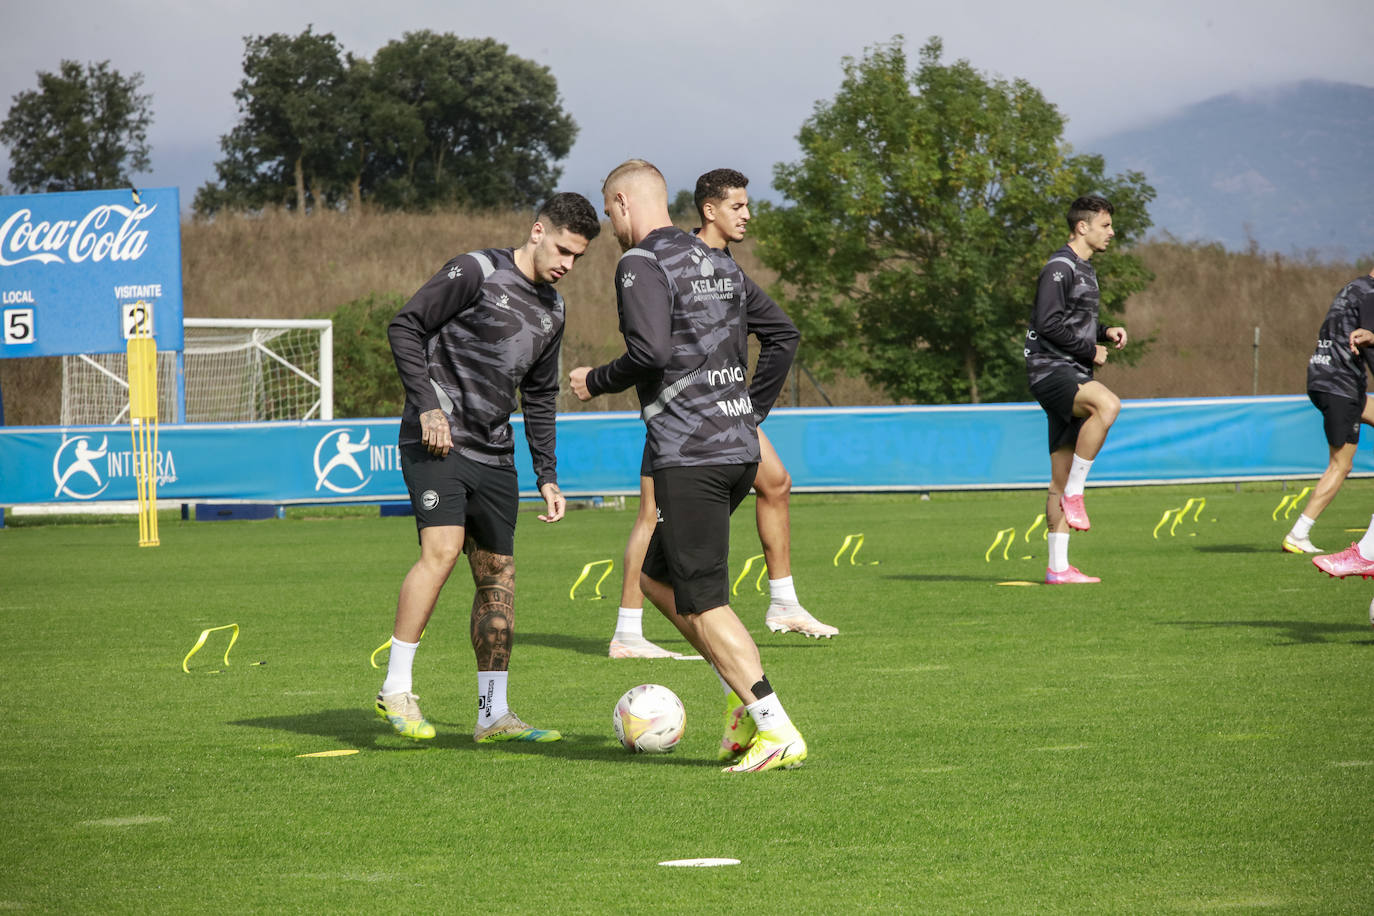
x=488 y=323
x=685 y=311
x=1336 y=383
x=1063 y=345
x=723 y=204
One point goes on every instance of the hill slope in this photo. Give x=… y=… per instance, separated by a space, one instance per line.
x=1287 y=167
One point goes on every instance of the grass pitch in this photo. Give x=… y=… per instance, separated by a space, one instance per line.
x=1194 y=734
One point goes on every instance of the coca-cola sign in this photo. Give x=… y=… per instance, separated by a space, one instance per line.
x=84 y=271
x=106 y=232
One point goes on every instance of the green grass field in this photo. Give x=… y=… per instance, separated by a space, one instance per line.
x=1193 y=735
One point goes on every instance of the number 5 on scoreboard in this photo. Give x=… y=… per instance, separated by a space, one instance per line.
x=138 y=319
x=18 y=324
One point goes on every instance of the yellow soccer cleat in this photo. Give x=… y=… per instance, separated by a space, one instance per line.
x=739 y=729
x=510 y=728
x=776 y=749
x=402 y=710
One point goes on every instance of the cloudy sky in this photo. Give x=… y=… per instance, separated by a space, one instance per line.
x=697 y=86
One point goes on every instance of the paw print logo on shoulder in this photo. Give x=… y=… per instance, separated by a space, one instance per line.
x=703 y=262
x=455 y=272
x=627 y=279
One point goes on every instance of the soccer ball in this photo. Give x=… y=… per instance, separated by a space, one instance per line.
x=649 y=719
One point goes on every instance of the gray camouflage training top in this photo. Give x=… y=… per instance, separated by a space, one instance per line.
x=477 y=331
x=1064 y=331
x=686 y=310
x=1332 y=367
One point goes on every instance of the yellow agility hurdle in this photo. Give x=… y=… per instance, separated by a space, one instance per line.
x=586 y=570
x=204 y=635
x=748 y=565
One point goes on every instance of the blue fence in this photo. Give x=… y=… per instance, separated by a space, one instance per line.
x=896 y=448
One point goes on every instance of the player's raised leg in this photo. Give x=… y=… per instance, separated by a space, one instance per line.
x=396 y=701
x=628 y=639
x=1098 y=407
x=1059 y=572
x=1343 y=439
x=493 y=631
x=773 y=492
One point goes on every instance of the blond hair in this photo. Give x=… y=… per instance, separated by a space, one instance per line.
x=633 y=170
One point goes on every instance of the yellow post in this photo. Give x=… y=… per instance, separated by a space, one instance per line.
x=142 y=353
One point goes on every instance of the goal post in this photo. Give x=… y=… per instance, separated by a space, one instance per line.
x=230 y=370
x=271 y=357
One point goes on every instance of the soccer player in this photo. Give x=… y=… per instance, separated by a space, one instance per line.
x=722 y=201
x=685 y=312
x=1336 y=383
x=487 y=323
x=1063 y=345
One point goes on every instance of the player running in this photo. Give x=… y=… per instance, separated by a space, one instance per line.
x=1063 y=345
x=487 y=323
x=722 y=201
x=1336 y=383
x=685 y=311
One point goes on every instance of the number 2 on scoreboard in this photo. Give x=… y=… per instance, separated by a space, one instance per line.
x=138 y=319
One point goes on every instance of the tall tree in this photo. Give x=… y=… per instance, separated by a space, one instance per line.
x=914 y=226
x=289 y=146
x=82 y=129
x=478 y=125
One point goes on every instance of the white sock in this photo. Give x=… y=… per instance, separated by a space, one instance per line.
x=1302 y=527
x=398 y=667
x=1078 y=476
x=782 y=590
x=491 y=697
x=1059 y=551
x=630 y=623
x=768 y=713
x=1367 y=542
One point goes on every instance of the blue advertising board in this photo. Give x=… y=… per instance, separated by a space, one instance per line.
x=862 y=449
x=84 y=271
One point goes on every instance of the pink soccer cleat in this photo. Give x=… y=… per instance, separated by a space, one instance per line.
x=1349 y=562
x=1070 y=576
x=1074 y=513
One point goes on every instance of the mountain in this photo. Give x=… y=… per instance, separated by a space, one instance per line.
x=1290 y=168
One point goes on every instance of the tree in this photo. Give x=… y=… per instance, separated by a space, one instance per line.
x=470 y=124
x=289 y=147
x=914 y=226
x=432 y=119
x=82 y=129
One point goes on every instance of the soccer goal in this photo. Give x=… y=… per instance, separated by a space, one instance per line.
x=233 y=370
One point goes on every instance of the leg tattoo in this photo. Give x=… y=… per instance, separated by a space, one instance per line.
x=493 y=609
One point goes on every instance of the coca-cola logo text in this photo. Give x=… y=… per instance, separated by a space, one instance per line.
x=108 y=232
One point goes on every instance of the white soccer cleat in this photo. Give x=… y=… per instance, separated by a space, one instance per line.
x=638 y=647
x=1299 y=545
x=793 y=618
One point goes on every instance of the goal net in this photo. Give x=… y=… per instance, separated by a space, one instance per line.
x=234 y=370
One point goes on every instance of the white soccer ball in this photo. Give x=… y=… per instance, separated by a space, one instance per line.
x=649 y=719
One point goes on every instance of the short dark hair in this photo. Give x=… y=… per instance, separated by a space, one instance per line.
x=1085 y=208
x=714 y=185
x=570 y=211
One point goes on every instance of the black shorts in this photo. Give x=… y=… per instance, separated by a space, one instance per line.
x=1055 y=393
x=453 y=490
x=1340 y=417
x=690 y=547
x=646 y=462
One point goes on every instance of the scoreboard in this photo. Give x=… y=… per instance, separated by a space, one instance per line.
x=84 y=271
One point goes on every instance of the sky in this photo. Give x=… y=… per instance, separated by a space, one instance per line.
x=693 y=87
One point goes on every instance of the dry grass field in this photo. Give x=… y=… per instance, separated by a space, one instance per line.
x=1201 y=311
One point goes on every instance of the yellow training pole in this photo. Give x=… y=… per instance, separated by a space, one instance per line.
x=142 y=358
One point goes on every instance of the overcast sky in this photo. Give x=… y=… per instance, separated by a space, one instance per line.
x=697 y=86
